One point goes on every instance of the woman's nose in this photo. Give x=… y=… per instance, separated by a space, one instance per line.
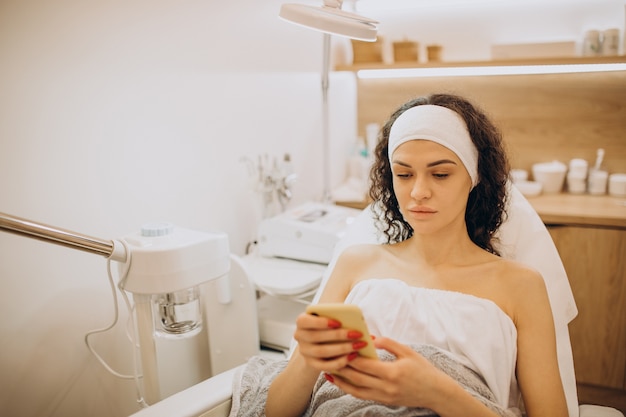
x=421 y=189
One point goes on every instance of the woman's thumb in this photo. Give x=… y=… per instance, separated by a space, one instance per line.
x=391 y=346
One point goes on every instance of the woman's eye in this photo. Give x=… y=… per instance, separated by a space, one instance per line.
x=440 y=175
x=403 y=175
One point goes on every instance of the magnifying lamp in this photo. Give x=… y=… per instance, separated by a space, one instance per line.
x=330 y=20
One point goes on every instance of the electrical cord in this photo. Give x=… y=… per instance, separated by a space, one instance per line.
x=122 y=281
x=107 y=328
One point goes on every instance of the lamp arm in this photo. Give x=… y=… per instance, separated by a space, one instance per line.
x=23 y=227
x=326 y=196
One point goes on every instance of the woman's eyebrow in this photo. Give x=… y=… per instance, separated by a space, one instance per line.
x=440 y=162
x=430 y=164
x=404 y=164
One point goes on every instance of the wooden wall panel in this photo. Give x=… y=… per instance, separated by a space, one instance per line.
x=543 y=117
x=596 y=270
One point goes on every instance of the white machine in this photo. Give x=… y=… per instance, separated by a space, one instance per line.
x=188 y=293
x=194 y=302
x=294 y=249
x=307 y=233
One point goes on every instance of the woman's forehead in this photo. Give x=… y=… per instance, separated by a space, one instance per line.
x=423 y=148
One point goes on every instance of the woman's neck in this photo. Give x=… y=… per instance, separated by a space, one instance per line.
x=443 y=248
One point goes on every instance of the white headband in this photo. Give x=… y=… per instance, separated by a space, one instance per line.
x=440 y=125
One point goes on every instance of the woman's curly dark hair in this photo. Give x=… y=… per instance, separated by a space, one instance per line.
x=487 y=201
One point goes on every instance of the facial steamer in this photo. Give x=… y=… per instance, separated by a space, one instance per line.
x=188 y=293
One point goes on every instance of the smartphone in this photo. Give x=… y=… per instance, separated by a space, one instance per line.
x=351 y=317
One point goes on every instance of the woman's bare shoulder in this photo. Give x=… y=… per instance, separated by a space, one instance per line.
x=523 y=288
x=520 y=276
x=361 y=257
x=351 y=265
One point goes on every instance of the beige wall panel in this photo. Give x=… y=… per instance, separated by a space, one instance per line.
x=543 y=117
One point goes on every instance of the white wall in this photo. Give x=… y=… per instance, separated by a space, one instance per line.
x=467 y=29
x=115 y=113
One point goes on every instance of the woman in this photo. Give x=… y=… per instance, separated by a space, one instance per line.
x=440 y=180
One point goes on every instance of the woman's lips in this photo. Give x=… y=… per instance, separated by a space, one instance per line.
x=422 y=209
x=422 y=212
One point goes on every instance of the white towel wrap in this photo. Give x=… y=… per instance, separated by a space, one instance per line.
x=440 y=125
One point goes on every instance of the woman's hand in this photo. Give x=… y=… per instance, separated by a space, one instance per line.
x=324 y=345
x=410 y=380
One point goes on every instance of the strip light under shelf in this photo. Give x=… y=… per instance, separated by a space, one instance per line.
x=488 y=70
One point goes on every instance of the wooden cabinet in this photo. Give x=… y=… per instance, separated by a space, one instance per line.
x=595 y=261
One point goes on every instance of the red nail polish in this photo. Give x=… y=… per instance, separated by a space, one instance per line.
x=352 y=356
x=359 y=345
x=329 y=378
x=334 y=324
x=354 y=334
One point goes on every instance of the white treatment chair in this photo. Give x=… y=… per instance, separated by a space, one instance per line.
x=523 y=237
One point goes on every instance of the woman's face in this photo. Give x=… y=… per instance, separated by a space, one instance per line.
x=431 y=185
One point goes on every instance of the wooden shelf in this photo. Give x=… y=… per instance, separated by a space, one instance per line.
x=621 y=59
x=581 y=209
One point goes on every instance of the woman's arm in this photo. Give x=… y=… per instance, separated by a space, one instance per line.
x=538 y=373
x=322 y=347
x=290 y=392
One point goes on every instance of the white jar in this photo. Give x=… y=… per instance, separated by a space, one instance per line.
x=597 y=182
x=578 y=168
x=519 y=175
x=551 y=175
x=617 y=185
x=576 y=184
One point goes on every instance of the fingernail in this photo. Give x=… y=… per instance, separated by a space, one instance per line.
x=334 y=324
x=359 y=345
x=329 y=378
x=352 y=356
x=354 y=334
x=373 y=337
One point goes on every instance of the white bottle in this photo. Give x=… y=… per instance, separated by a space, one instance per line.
x=371 y=137
x=598 y=177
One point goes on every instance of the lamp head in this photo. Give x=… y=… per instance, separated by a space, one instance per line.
x=330 y=19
